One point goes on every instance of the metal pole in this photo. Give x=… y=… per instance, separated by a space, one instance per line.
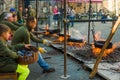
x=65 y=76
x=89 y=22
x=115 y=6
x=65 y=55
x=97 y=10
x=37 y=19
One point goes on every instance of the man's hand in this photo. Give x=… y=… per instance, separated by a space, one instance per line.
x=27 y=46
x=47 y=42
x=42 y=50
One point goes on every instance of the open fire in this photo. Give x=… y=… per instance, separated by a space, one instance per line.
x=60 y=38
x=78 y=44
x=96 y=48
x=96 y=51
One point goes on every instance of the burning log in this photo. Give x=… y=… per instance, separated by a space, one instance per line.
x=96 y=51
x=75 y=40
x=100 y=44
x=52 y=31
x=62 y=35
x=113 y=30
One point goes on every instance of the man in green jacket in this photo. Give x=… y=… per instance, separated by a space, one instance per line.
x=31 y=11
x=20 y=15
x=7 y=20
x=15 y=21
x=23 y=35
x=8 y=56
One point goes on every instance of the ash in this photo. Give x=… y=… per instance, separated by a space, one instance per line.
x=86 y=53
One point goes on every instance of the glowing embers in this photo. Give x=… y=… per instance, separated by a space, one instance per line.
x=61 y=37
x=76 y=45
x=96 y=50
x=99 y=43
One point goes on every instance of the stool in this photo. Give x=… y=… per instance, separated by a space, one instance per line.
x=11 y=75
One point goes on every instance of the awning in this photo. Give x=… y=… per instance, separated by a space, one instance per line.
x=94 y=1
x=80 y=1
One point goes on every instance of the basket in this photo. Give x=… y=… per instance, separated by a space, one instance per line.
x=30 y=56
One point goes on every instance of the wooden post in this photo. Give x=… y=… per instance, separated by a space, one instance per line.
x=90 y=6
x=37 y=20
x=113 y=30
x=65 y=76
x=113 y=23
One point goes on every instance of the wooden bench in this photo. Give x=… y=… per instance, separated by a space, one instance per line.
x=12 y=75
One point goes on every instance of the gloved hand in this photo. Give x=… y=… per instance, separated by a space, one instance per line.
x=42 y=50
x=47 y=42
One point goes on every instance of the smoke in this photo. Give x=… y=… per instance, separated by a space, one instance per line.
x=74 y=33
x=98 y=36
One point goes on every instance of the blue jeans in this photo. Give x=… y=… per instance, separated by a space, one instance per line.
x=42 y=63
x=72 y=18
x=68 y=23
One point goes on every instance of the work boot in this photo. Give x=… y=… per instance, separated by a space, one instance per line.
x=49 y=70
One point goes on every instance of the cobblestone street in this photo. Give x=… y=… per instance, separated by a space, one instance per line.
x=56 y=60
x=75 y=70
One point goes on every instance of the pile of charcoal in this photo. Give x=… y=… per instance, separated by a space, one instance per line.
x=87 y=54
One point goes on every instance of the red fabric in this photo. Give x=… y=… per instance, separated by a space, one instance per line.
x=55 y=11
x=96 y=1
x=75 y=1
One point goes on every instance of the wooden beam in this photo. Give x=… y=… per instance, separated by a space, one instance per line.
x=113 y=30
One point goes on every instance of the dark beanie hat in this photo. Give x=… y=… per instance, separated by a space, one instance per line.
x=12 y=9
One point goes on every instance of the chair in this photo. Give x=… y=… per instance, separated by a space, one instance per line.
x=10 y=75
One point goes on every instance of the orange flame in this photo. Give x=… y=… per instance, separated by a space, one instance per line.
x=61 y=38
x=47 y=27
x=47 y=32
x=96 y=51
x=77 y=44
x=98 y=36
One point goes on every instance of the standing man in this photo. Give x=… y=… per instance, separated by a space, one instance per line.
x=31 y=11
x=55 y=15
x=72 y=16
x=20 y=15
x=68 y=15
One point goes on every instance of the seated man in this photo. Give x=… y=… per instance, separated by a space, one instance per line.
x=23 y=35
x=7 y=20
x=8 y=56
x=15 y=21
